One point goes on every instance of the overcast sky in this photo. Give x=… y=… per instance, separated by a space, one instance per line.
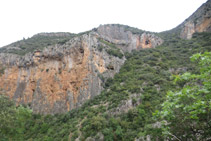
x=24 y=18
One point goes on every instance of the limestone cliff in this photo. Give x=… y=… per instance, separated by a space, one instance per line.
x=126 y=40
x=63 y=76
x=200 y=21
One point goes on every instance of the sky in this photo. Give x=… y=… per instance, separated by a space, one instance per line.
x=23 y=18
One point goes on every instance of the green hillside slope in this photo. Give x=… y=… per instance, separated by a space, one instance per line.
x=124 y=110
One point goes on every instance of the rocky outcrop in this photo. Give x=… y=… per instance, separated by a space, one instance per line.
x=200 y=21
x=98 y=137
x=126 y=105
x=62 y=77
x=126 y=40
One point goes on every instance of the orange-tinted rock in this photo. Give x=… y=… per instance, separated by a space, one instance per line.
x=200 y=21
x=57 y=79
x=204 y=26
x=63 y=77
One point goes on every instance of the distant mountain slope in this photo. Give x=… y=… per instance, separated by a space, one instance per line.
x=43 y=40
x=199 y=21
x=37 y=42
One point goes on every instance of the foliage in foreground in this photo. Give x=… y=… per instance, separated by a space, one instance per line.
x=12 y=119
x=186 y=113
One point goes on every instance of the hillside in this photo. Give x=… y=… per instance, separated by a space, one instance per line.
x=37 y=42
x=113 y=82
x=124 y=109
x=43 y=40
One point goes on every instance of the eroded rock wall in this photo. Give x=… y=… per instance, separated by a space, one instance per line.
x=126 y=40
x=58 y=78
x=62 y=77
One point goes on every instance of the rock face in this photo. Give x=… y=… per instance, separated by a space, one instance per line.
x=200 y=21
x=126 y=40
x=62 y=77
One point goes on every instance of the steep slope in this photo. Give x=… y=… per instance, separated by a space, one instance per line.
x=38 y=41
x=199 y=21
x=126 y=39
x=61 y=77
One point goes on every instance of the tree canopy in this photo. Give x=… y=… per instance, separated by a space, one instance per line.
x=187 y=113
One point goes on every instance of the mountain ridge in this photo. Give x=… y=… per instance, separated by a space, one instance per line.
x=104 y=84
x=100 y=52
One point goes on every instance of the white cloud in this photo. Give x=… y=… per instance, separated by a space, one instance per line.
x=24 y=18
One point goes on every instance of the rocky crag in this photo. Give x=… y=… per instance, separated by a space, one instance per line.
x=199 y=21
x=63 y=76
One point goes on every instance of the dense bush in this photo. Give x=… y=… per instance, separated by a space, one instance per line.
x=13 y=119
x=110 y=48
x=186 y=113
